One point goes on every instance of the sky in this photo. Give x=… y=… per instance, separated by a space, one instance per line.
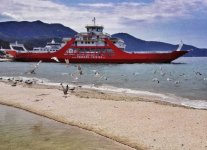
x=152 y=20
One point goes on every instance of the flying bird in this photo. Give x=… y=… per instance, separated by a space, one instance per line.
x=169 y=79
x=67 y=62
x=198 y=73
x=32 y=71
x=177 y=82
x=155 y=80
x=65 y=89
x=79 y=67
x=74 y=76
x=55 y=59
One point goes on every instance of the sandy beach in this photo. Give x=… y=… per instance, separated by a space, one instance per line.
x=139 y=124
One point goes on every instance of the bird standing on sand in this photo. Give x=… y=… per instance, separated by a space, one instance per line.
x=14 y=83
x=29 y=82
x=72 y=89
x=65 y=89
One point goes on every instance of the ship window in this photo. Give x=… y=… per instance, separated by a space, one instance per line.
x=18 y=48
x=92 y=42
x=109 y=51
x=82 y=42
x=81 y=50
x=88 y=42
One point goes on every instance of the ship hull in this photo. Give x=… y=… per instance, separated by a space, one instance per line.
x=118 y=56
x=127 y=58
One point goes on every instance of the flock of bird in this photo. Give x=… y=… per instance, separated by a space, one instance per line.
x=174 y=79
x=76 y=75
x=159 y=75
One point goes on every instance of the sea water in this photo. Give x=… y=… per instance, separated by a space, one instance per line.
x=185 y=77
x=23 y=130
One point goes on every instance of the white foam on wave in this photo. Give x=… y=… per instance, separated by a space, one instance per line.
x=170 y=98
x=199 y=104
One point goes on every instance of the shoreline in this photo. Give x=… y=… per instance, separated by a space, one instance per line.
x=108 y=117
x=124 y=94
x=73 y=124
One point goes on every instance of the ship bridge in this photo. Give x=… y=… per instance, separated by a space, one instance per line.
x=94 y=29
x=97 y=29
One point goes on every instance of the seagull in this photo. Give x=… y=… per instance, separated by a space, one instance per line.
x=79 y=67
x=72 y=89
x=14 y=83
x=74 y=76
x=32 y=71
x=183 y=74
x=55 y=59
x=198 y=73
x=136 y=73
x=177 y=82
x=29 y=82
x=10 y=79
x=168 y=79
x=67 y=62
x=65 y=89
x=162 y=73
x=80 y=72
x=155 y=80
x=97 y=74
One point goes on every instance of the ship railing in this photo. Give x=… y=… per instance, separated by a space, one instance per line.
x=108 y=35
x=148 y=52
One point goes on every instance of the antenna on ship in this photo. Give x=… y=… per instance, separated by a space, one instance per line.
x=94 y=21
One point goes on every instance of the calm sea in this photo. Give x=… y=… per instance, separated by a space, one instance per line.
x=186 y=77
x=21 y=130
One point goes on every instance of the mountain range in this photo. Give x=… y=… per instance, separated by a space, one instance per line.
x=37 y=34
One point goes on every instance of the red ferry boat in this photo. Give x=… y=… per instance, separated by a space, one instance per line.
x=94 y=46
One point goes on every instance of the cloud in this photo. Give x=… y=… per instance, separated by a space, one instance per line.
x=110 y=13
x=118 y=16
x=5 y=16
x=96 y=5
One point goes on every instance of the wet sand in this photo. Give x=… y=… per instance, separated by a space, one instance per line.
x=130 y=120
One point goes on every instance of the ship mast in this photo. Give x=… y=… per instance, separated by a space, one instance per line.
x=94 y=21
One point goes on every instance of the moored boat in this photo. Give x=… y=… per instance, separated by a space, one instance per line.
x=94 y=46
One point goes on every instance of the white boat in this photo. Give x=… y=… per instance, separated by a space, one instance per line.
x=50 y=47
